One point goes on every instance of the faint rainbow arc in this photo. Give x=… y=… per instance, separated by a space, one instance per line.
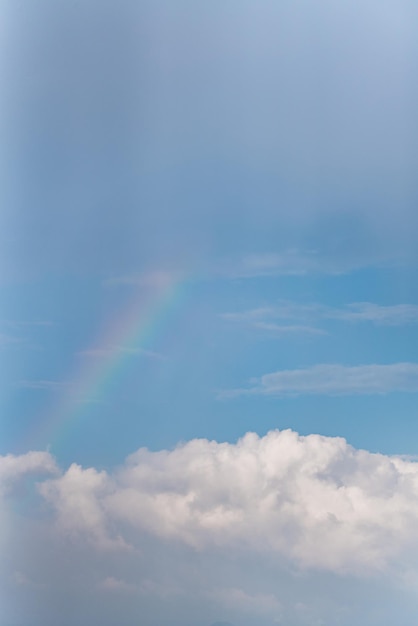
x=123 y=337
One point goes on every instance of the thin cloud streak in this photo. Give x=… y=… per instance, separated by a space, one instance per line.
x=109 y=351
x=25 y=323
x=151 y=279
x=335 y=380
x=286 y=262
x=310 y=313
x=278 y=329
x=294 y=262
x=7 y=340
x=43 y=384
x=394 y=315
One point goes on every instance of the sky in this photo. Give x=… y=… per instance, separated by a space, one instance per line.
x=208 y=313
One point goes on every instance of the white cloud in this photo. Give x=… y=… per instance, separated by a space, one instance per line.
x=14 y=467
x=281 y=494
x=260 y=531
x=335 y=379
x=77 y=498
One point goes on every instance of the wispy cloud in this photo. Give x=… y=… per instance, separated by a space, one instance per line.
x=25 y=323
x=152 y=279
x=257 y=603
x=304 y=316
x=109 y=351
x=288 y=262
x=288 y=329
x=291 y=262
x=16 y=333
x=8 y=340
x=266 y=319
x=111 y=584
x=335 y=379
x=43 y=384
x=21 y=579
x=393 y=315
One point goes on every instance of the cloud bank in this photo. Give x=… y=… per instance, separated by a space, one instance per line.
x=168 y=525
x=281 y=493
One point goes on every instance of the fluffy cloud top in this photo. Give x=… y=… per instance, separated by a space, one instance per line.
x=255 y=532
x=313 y=501
x=14 y=467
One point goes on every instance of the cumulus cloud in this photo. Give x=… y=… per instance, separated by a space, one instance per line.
x=77 y=498
x=213 y=532
x=335 y=379
x=14 y=467
x=281 y=494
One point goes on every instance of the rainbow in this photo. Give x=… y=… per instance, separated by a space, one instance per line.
x=97 y=368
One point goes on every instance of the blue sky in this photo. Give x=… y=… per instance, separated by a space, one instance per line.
x=208 y=228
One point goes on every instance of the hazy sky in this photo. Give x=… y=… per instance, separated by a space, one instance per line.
x=209 y=313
